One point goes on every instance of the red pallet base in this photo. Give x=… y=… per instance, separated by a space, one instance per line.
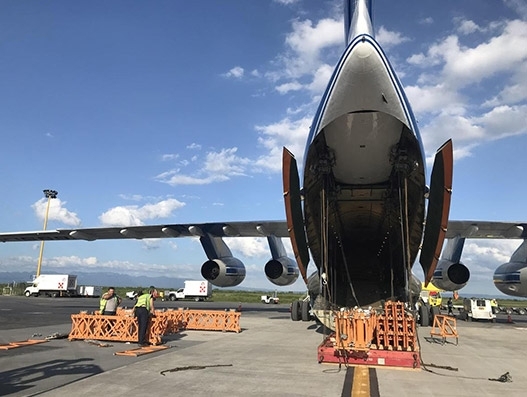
x=380 y=358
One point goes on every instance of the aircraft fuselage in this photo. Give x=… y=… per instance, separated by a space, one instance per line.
x=364 y=181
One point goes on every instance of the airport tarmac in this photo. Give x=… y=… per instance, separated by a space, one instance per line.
x=271 y=356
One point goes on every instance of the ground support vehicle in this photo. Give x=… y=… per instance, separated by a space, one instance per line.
x=53 y=285
x=91 y=291
x=270 y=299
x=199 y=290
x=477 y=309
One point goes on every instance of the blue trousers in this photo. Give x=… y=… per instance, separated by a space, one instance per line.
x=142 y=321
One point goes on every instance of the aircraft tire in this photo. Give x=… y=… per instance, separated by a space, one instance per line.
x=305 y=310
x=424 y=316
x=295 y=311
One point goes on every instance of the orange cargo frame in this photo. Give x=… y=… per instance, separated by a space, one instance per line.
x=123 y=326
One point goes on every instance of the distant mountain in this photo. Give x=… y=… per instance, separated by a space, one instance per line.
x=116 y=280
x=103 y=279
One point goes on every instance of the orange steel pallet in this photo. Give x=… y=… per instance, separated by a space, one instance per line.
x=141 y=351
x=212 y=320
x=120 y=328
x=14 y=345
x=123 y=327
x=204 y=320
x=444 y=327
x=364 y=338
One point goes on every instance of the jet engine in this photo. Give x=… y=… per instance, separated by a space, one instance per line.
x=509 y=276
x=281 y=271
x=223 y=272
x=450 y=276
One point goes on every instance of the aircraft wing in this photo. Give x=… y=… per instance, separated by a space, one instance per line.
x=467 y=229
x=486 y=229
x=214 y=229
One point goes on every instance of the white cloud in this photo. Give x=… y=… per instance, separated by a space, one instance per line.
x=483 y=257
x=520 y=6
x=236 y=72
x=432 y=99
x=134 y=215
x=286 y=2
x=194 y=146
x=75 y=264
x=57 y=211
x=169 y=157
x=467 y=27
x=442 y=96
x=427 y=21
x=389 y=39
x=287 y=87
x=218 y=167
x=289 y=133
x=249 y=246
x=255 y=247
x=305 y=46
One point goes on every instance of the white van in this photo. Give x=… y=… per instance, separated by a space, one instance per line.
x=477 y=309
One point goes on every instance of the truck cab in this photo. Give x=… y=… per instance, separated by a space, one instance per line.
x=174 y=295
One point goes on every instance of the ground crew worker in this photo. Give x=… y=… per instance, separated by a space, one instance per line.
x=109 y=302
x=450 y=307
x=143 y=309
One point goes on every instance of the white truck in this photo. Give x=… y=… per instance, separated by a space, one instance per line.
x=198 y=290
x=53 y=285
x=91 y=291
x=477 y=309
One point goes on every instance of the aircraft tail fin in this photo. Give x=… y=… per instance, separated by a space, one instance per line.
x=358 y=18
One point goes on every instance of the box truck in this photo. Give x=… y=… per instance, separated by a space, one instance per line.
x=53 y=285
x=198 y=290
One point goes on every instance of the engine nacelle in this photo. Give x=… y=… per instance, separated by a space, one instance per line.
x=281 y=271
x=450 y=276
x=223 y=272
x=508 y=279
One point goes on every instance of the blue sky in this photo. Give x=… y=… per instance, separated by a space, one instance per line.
x=172 y=112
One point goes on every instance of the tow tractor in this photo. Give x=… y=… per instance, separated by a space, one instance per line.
x=270 y=299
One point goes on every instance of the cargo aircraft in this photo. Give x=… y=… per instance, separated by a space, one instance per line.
x=362 y=211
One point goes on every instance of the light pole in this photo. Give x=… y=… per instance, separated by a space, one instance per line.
x=50 y=194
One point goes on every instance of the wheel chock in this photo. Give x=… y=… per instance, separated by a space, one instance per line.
x=141 y=351
x=14 y=345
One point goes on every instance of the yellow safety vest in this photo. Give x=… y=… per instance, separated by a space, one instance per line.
x=102 y=302
x=143 y=301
